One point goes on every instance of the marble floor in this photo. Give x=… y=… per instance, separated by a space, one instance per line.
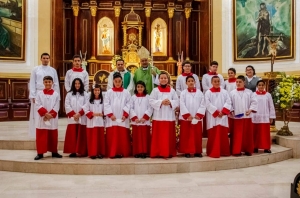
x=268 y=181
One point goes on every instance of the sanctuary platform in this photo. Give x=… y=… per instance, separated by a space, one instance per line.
x=17 y=151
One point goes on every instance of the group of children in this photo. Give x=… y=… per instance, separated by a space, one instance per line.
x=100 y=127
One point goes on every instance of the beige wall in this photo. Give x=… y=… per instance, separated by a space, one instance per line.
x=44 y=27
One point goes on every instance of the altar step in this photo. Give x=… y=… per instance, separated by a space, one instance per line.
x=22 y=161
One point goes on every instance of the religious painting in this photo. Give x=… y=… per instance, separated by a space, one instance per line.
x=263 y=29
x=12 y=29
x=159 y=37
x=105 y=29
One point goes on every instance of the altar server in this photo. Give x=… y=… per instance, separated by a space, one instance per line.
x=230 y=83
x=36 y=84
x=47 y=106
x=244 y=104
x=76 y=72
x=192 y=111
x=117 y=109
x=140 y=114
x=206 y=79
x=94 y=110
x=181 y=79
x=164 y=101
x=218 y=105
x=75 y=139
x=262 y=118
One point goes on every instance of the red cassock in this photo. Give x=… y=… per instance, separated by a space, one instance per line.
x=163 y=142
x=217 y=142
x=262 y=136
x=96 y=141
x=141 y=139
x=190 y=138
x=242 y=136
x=75 y=139
x=46 y=140
x=118 y=141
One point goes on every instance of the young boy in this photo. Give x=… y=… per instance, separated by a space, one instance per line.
x=47 y=105
x=218 y=105
x=206 y=79
x=76 y=72
x=244 y=103
x=181 y=82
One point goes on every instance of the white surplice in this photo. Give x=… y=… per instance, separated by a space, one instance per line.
x=229 y=86
x=75 y=103
x=265 y=109
x=139 y=107
x=71 y=75
x=181 y=83
x=206 y=82
x=97 y=107
x=110 y=84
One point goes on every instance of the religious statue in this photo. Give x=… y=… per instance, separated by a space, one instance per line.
x=273 y=47
x=179 y=63
x=105 y=37
x=158 y=35
x=83 y=60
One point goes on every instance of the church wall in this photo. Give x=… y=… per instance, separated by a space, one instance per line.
x=223 y=43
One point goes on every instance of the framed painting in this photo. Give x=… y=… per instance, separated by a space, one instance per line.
x=263 y=28
x=12 y=29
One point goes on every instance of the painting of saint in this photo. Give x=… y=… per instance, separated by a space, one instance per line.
x=105 y=37
x=158 y=36
x=105 y=31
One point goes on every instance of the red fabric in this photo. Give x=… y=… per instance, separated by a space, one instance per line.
x=187 y=74
x=215 y=114
x=186 y=116
x=261 y=92
x=204 y=133
x=81 y=146
x=163 y=140
x=120 y=89
x=77 y=69
x=134 y=118
x=125 y=114
x=230 y=124
x=218 y=142
x=71 y=114
x=81 y=112
x=75 y=139
x=214 y=89
x=140 y=95
x=225 y=111
x=53 y=113
x=48 y=91
x=192 y=89
x=118 y=141
x=110 y=115
x=140 y=139
x=200 y=115
x=167 y=89
x=46 y=140
x=242 y=136
x=42 y=111
x=146 y=117
x=190 y=138
x=90 y=115
x=231 y=80
x=241 y=89
x=95 y=141
x=212 y=73
x=262 y=136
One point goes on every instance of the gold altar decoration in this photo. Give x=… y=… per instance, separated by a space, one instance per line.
x=101 y=78
x=75 y=9
x=93 y=10
x=187 y=12
x=298 y=188
x=159 y=31
x=171 y=12
x=148 y=12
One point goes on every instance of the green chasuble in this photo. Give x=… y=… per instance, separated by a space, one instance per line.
x=145 y=75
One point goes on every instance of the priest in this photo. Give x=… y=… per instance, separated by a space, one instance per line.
x=147 y=72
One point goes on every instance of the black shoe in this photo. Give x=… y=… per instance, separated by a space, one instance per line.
x=267 y=151
x=143 y=156
x=93 y=157
x=100 y=156
x=119 y=156
x=39 y=156
x=198 y=155
x=56 y=155
x=137 y=156
x=237 y=155
x=187 y=155
x=248 y=154
x=73 y=155
x=170 y=156
x=255 y=150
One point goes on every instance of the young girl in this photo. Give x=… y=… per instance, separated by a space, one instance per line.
x=262 y=118
x=192 y=110
x=75 y=139
x=230 y=83
x=140 y=114
x=94 y=110
x=164 y=101
x=116 y=108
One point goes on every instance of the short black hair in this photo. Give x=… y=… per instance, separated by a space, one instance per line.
x=251 y=68
x=214 y=63
x=214 y=78
x=143 y=84
x=260 y=81
x=120 y=59
x=117 y=75
x=45 y=54
x=48 y=78
x=186 y=63
x=241 y=77
x=76 y=56
x=189 y=78
x=232 y=69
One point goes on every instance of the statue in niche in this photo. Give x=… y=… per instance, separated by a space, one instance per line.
x=105 y=37
x=157 y=35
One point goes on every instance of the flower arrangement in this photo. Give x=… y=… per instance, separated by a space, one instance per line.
x=287 y=92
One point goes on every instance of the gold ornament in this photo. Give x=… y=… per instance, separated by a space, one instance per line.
x=75 y=9
x=298 y=188
x=117 y=11
x=187 y=12
x=93 y=10
x=171 y=12
x=148 y=12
